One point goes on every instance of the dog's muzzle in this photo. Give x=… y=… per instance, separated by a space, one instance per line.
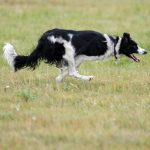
x=141 y=51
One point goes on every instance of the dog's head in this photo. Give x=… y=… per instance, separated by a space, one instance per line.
x=129 y=47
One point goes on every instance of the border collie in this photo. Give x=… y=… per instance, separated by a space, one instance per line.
x=67 y=49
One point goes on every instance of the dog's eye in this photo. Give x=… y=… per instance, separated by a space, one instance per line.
x=135 y=47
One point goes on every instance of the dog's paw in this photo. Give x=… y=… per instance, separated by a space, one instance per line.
x=91 y=78
x=88 y=78
x=59 y=79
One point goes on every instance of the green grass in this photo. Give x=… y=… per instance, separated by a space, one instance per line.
x=111 y=112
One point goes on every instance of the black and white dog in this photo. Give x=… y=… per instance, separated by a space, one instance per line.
x=68 y=48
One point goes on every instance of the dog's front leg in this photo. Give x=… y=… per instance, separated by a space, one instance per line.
x=82 y=77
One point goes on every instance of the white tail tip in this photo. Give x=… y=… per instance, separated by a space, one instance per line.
x=9 y=54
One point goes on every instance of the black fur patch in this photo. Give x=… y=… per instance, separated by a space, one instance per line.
x=89 y=43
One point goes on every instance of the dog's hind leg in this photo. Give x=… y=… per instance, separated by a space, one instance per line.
x=63 y=74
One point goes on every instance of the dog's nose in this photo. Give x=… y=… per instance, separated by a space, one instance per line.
x=145 y=52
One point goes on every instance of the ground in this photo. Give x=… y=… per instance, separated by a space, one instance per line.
x=111 y=112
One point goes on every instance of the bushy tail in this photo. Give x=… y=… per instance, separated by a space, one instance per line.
x=17 y=62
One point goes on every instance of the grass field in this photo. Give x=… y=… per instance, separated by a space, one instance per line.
x=111 y=112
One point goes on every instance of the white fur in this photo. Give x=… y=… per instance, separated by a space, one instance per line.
x=118 y=47
x=110 y=47
x=70 y=35
x=9 y=54
x=53 y=39
x=141 y=50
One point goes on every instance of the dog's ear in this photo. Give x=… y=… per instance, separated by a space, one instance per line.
x=126 y=36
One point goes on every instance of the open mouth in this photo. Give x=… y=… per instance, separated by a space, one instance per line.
x=133 y=57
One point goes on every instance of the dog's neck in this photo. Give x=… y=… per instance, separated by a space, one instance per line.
x=117 y=43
